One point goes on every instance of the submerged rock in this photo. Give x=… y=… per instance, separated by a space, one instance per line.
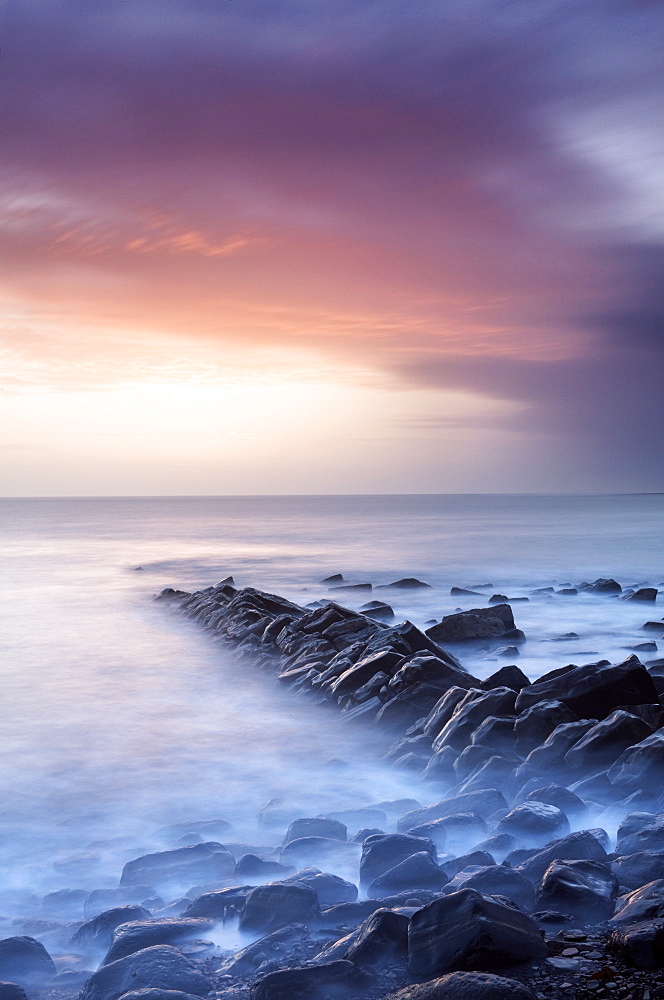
x=162 y=967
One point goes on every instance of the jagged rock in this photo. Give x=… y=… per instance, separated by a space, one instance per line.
x=467 y=927
x=453 y=832
x=549 y=757
x=160 y=967
x=443 y=710
x=594 y=690
x=252 y=868
x=586 y=889
x=469 y=759
x=646 y=903
x=635 y=870
x=478 y=623
x=577 y=846
x=534 y=822
x=557 y=795
x=471 y=712
x=221 y=904
x=317 y=827
x=496 y=731
x=485 y=803
x=139 y=934
x=335 y=980
x=419 y=871
x=330 y=889
x=534 y=725
x=268 y=907
x=640 y=766
x=440 y=766
x=272 y=947
x=509 y=676
x=497 y=771
x=362 y=671
x=603 y=744
x=25 y=961
x=381 y=853
x=97 y=934
x=467 y=862
x=382 y=938
x=183 y=866
x=495 y=880
x=465 y=986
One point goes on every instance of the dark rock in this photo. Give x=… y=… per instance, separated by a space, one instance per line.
x=184 y=866
x=362 y=671
x=100 y=900
x=499 y=845
x=25 y=961
x=557 y=795
x=496 y=880
x=496 y=731
x=635 y=821
x=408 y=583
x=485 y=803
x=409 y=705
x=577 y=846
x=440 y=766
x=379 y=610
x=471 y=712
x=97 y=934
x=594 y=690
x=330 y=889
x=586 y=889
x=461 y=592
x=469 y=928
x=470 y=862
x=643 y=594
x=350 y=587
x=497 y=771
x=509 y=676
x=318 y=827
x=536 y=723
x=603 y=744
x=479 y=623
x=597 y=787
x=169 y=594
x=640 y=766
x=650 y=838
x=12 y=991
x=222 y=904
x=268 y=907
x=272 y=947
x=336 y=980
x=381 y=853
x=549 y=757
x=139 y=934
x=458 y=831
x=382 y=939
x=252 y=868
x=160 y=967
x=635 y=870
x=646 y=903
x=469 y=759
x=335 y=578
x=466 y=986
x=157 y=994
x=640 y=944
x=419 y=871
x=443 y=710
x=367 y=831
x=534 y=822
x=498 y=599
x=603 y=586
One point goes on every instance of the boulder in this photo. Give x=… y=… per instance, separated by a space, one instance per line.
x=469 y=928
x=600 y=747
x=160 y=967
x=139 y=934
x=362 y=671
x=643 y=594
x=336 y=980
x=382 y=853
x=316 y=827
x=634 y=821
x=381 y=939
x=443 y=710
x=268 y=907
x=467 y=862
x=646 y=903
x=184 y=866
x=455 y=832
x=635 y=870
x=12 y=991
x=272 y=947
x=466 y=986
x=577 y=846
x=496 y=731
x=97 y=934
x=157 y=994
x=330 y=889
x=495 y=880
x=557 y=795
x=509 y=676
x=222 y=904
x=25 y=961
x=651 y=838
x=318 y=850
x=485 y=803
x=602 y=586
x=640 y=766
x=251 y=868
x=550 y=755
x=419 y=871
x=535 y=724
x=534 y=822
x=586 y=889
x=499 y=845
x=471 y=712
x=496 y=772
x=640 y=944
x=440 y=767
x=594 y=690
x=478 y=623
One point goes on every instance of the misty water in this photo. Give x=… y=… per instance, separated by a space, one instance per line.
x=120 y=718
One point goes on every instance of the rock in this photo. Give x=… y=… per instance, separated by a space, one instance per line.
x=640 y=766
x=603 y=744
x=335 y=578
x=67 y=903
x=378 y=610
x=577 y=846
x=443 y=710
x=25 y=962
x=335 y=980
x=557 y=795
x=268 y=907
x=207 y=829
x=362 y=672
x=382 y=853
x=640 y=944
x=586 y=889
x=330 y=889
x=469 y=927
x=251 y=868
x=499 y=845
x=466 y=986
x=643 y=594
x=469 y=759
x=222 y=904
x=272 y=947
x=317 y=827
x=168 y=594
x=356 y=818
x=635 y=870
x=160 y=967
x=535 y=724
x=549 y=757
x=440 y=766
x=485 y=803
x=318 y=850
x=408 y=583
x=381 y=939
x=497 y=732
x=646 y=903
x=139 y=934
x=471 y=712
x=157 y=994
x=509 y=676
x=479 y=623
x=12 y=991
x=496 y=880
x=603 y=586
x=181 y=867
x=534 y=822
x=594 y=690
x=409 y=705
x=651 y=838
x=453 y=832
x=419 y=871
x=467 y=862
x=97 y=934
x=635 y=821
x=100 y=900
x=497 y=771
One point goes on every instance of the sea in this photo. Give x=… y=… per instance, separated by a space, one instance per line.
x=120 y=718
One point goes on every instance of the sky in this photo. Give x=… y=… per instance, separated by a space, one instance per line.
x=331 y=246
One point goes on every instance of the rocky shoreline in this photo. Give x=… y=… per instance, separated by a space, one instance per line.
x=528 y=864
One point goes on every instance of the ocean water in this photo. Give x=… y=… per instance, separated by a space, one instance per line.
x=120 y=718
